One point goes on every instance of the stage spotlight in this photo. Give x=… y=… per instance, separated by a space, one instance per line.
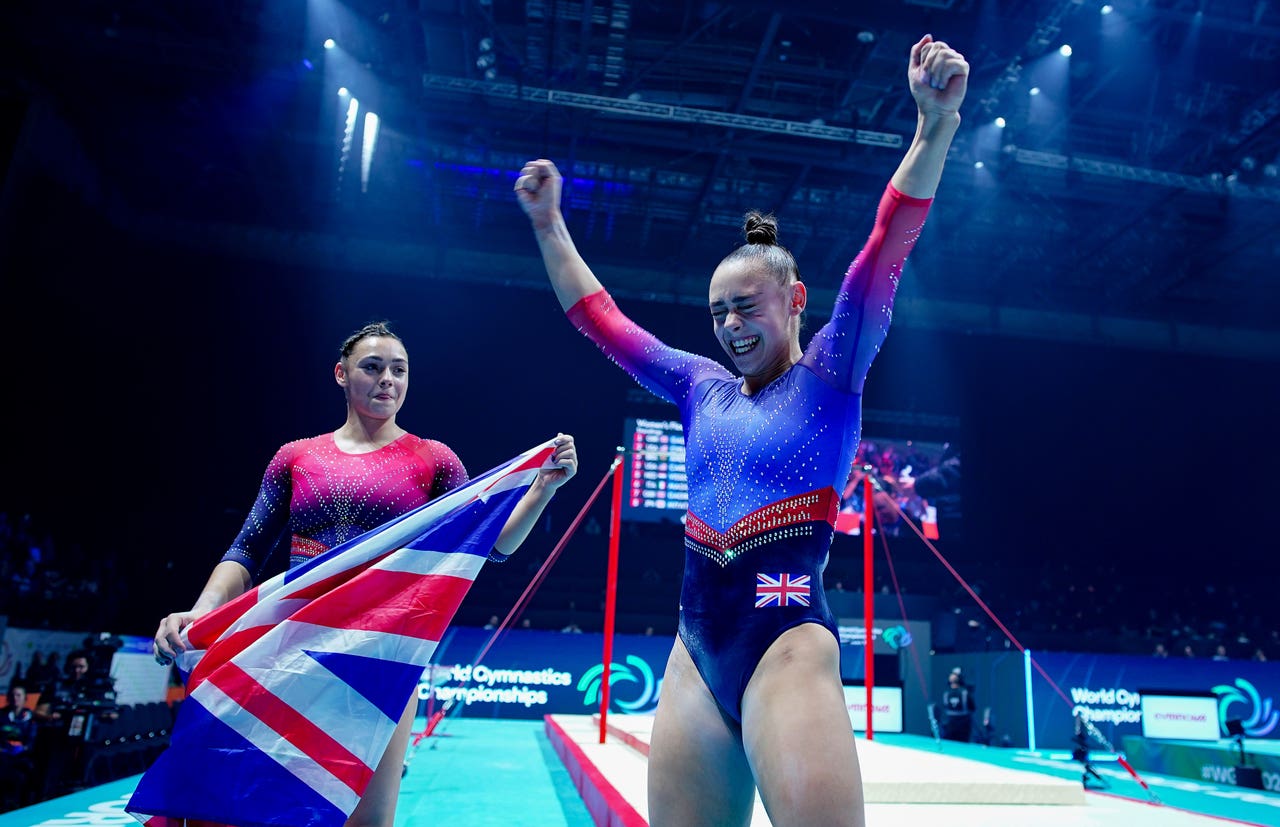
x=1107 y=8
x=371 y=125
x=978 y=165
x=1065 y=50
x=343 y=91
x=1035 y=90
x=329 y=44
x=1001 y=122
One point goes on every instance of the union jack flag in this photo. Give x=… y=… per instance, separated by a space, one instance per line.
x=782 y=590
x=295 y=688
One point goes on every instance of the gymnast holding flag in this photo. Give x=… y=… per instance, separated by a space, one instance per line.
x=330 y=489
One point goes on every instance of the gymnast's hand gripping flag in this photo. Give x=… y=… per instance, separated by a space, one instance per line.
x=295 y=688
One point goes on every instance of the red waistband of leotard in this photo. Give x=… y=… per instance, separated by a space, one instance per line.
x=301 y=546
x=819 y=505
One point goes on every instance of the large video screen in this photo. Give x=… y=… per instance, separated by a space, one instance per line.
x=915 y=480
x=920 y=480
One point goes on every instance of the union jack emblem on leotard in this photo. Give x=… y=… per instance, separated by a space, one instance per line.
x=782 y=590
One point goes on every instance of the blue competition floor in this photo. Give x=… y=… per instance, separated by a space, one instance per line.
x=478 y=773
x=489 y=772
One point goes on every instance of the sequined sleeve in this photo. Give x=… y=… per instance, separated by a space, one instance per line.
x=666 y=372
x=450 y=472
x=269 y=517
x=841 y=352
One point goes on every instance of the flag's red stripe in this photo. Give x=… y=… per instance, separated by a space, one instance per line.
x=399 y=602
x=293 y=727
x=534 y=462
x=207 y=629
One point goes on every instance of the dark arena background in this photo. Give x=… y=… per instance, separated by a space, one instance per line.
x=200 y=201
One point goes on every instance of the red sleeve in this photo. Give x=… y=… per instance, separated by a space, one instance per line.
x=842 y=351
x=664 y=371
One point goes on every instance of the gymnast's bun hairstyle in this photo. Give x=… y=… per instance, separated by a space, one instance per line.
x=762 y=247
x=759 y=228
x=382 y=328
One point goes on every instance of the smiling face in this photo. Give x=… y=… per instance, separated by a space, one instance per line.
x=756 y=320
x=375 y=377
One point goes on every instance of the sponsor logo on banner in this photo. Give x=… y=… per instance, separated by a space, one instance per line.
x=642 y=674
x=1187 y=717
x=886 y=707
x=1219 y=774
x=1264 y=718
x=897 y=637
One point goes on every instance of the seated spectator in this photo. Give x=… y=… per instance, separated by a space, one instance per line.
x=17 y=723
x=17 y=736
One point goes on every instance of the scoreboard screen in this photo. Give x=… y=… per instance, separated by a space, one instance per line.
x=656 y=489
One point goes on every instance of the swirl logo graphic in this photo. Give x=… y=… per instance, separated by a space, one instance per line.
x=589 y=685
x=1263 y=720
x=897 y=637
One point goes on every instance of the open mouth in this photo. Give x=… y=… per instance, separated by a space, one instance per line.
x=745 y=345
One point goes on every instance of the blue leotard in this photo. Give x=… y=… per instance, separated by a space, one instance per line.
x=764 y=470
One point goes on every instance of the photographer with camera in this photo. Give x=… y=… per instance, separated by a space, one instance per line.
x=70 y=711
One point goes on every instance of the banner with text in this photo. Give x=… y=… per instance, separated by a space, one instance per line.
x=1107 y=690
x=528 y=674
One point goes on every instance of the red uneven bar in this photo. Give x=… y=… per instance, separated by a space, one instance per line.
x=868 y=593
x=611 y=589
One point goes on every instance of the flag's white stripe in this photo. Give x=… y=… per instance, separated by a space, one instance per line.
x=299 y=681
x=510 y=481
x=297 y=763
x=422 y=561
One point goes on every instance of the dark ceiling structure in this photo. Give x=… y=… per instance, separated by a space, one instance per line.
x=1127 y=195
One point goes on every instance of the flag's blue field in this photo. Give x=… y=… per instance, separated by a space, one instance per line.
x=481 y=773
